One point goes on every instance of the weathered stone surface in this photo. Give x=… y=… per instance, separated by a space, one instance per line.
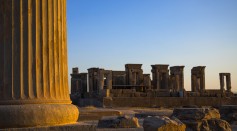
x=96 y=114
x=163 y=123
x=37 y=115
x=215 y=125
x=201 y=119
x=196 y=113
x=190 y=106
x=34 y=69
x=66 y=127
x=160 y=77
x=198 y=78
x=207 y=125
x=118 y=122
x=229 y=113
x=228 y=81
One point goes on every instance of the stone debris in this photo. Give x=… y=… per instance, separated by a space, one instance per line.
x=229 y=113
x=163 y=123
x=118 y=122
x=201 y=119
x=196 y=113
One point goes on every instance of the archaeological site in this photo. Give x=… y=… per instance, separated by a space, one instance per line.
x=34 y=88
x=132 y=88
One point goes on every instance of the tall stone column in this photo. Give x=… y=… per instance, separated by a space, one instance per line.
x=193 y=82
x=228 y=82
x=177 y=83
x=33 y=69
x=157 y=80
x=109 y=80
x=221 y=82
x=100 y=80
x=167 y=80
x=202 y=83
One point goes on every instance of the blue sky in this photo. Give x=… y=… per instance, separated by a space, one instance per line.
x=111 y=33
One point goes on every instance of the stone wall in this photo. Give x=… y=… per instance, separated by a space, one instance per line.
x=167 y=101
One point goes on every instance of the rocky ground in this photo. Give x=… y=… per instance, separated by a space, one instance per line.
x=91 y=115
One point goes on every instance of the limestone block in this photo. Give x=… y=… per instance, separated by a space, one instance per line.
x=229 y=113
x=207 y=125
x=196 y=113
x=163 y=123
x=116 y=91
x=215 y=125
x=128 y=91
x=201 y=119
x=118 y=122
x=126 y=95
x=163 y=94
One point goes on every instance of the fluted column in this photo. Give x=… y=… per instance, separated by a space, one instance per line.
x=33 y=55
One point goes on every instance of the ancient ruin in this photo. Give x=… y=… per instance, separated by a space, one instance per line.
x=198 y=79
x=166 y=82
x=177 y=78
x=33 y=69
x=228 y=81
x=160 y=75
x=78 y=82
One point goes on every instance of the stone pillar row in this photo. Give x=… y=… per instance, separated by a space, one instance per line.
x=33 y=64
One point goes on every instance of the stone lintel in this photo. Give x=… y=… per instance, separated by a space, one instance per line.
x=133 y=66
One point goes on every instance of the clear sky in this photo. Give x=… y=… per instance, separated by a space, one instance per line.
x=111 y=33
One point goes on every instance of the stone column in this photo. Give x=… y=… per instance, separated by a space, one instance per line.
x=198 y=84
x=193 y=82
x=33 y=70
x=100 y=80
x=202 y=83
x=109 y=80
x=167 y=80
x=157 y=80
x=221 y=82
x=181 y=79
x=177 y=83
x=228 y=83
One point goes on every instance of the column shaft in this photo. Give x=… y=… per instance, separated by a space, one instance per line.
x=33 y=50
x=222 y=82
x=33 y=64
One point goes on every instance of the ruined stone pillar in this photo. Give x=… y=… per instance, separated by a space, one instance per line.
x=181 y=79
x=193 y=82
x=228 y=83
x=157 y=80
x=109 y=80
x=33 y=70
x=177 y=83
x=134 y=78
x=198 y=84
x=202 y=83
x=167 y=80
x=100 y=79
x=221 y=82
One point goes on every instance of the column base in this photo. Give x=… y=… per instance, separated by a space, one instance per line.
x=31 y=115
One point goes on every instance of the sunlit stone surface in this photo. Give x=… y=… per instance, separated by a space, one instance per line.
x=33 y=64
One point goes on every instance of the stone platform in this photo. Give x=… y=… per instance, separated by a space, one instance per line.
x=68 y=127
